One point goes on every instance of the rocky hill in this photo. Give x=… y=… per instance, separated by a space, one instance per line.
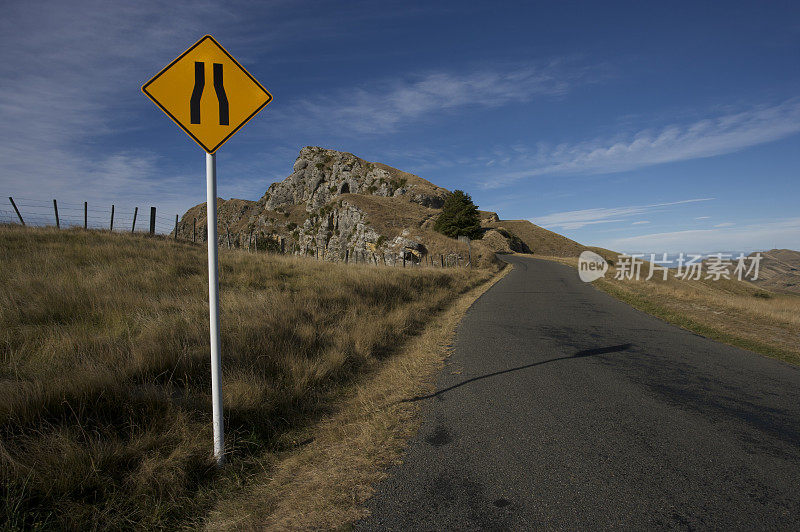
x=337 y=206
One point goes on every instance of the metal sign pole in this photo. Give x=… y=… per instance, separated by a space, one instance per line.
x=213 y=307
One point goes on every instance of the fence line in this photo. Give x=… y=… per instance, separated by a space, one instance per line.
x=31 y=212
x=62 y=214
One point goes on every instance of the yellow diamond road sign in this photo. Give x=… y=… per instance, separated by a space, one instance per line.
x=208 y=93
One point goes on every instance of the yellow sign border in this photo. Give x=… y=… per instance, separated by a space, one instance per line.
x=192 y=47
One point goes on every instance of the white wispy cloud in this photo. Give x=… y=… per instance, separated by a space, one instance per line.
x=783 y=233
x=386 y=105
x=71 y=74
x=708 y=137
x=641 y=222
x=581 y=218
x=71 y=77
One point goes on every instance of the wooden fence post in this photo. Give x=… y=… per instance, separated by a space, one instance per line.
x=176 y=227
x=16 y=210
x=135 y=213
x=441 y=258
x=55 y=209
x=111 y=227
x=152 y=221
x=250 y=241
x=86 y=215
x=194 y=230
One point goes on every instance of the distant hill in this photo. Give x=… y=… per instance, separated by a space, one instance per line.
x=337 y=205
x=541 y=241
x=779 y=270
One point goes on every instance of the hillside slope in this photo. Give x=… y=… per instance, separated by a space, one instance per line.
x=779 y=271
x=541 y=241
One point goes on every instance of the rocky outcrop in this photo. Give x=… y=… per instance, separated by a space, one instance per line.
x=320 y=176
x=496 y=241
x=488 y=217
x=337 y=207
x=334 y=234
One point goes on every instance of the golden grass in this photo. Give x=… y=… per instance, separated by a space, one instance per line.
x=104 y=372
x=323 y=483
x=731 y=311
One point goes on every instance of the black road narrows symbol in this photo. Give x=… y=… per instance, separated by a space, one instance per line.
x=197 y=93
x=220 y=90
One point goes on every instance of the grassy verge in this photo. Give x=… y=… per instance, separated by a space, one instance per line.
x=729 y=311
x=104 y=372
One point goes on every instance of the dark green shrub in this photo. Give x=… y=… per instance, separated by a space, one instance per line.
x=459 y=217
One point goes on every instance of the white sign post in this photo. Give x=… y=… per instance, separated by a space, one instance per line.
x=235 y=97
x=213 y=308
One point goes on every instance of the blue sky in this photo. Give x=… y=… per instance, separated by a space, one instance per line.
x=636 y=126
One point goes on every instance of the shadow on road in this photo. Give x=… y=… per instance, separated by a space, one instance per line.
x=580 y=354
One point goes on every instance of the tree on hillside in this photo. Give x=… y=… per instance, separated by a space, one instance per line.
x=459 y=217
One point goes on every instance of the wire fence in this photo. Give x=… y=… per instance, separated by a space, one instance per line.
x=41 y=213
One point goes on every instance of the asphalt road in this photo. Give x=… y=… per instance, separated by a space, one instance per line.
x=563 y=408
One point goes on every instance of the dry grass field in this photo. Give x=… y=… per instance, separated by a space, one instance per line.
x=104 y=370
x=730 y=311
